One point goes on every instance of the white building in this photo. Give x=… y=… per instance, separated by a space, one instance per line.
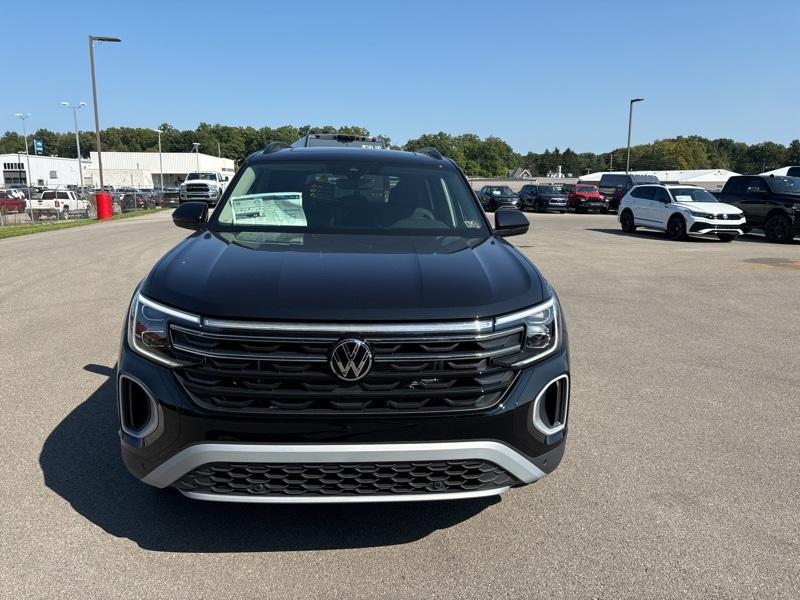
x=120 y=169
x=711 y=179
x=143 y=169
x=46 y=171
x=782 y=172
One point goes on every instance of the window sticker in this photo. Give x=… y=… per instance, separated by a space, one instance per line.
x=274 y=208
x=682 y=198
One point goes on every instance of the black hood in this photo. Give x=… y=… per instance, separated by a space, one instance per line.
x=317 y=277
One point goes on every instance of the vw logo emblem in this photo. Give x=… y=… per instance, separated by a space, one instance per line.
x=351 y=359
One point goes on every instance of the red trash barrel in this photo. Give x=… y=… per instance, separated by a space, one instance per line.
x=104 y=209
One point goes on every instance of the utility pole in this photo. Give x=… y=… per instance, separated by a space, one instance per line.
x=630 y=122
x=92 y=40
x=28 y=175
x=75 y=110
x=160 y=161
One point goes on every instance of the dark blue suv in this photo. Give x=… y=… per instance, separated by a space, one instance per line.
x=347 y=326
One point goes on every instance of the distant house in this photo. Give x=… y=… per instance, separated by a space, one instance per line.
x=520 y=173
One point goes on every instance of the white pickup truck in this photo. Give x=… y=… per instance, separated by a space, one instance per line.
x=206 y=186
x=62 y=204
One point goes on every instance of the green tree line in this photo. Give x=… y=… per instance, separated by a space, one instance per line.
x=487 y=157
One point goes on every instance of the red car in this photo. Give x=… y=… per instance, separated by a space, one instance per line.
x=586 y=198
x=10 y=204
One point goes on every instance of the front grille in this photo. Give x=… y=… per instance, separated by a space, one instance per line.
x=197 y=187
x=276 y=372
x=722 y=228
x=351 y=479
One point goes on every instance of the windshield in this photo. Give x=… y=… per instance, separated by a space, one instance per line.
x=502 y=191
x=351 y=197
x=692 y=195
x=586 y=189
x=785 y=185
x=191 y=176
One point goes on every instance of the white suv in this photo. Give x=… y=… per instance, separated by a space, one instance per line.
x=680 y=210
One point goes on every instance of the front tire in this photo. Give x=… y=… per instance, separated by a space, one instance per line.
x=727 y=237
x=627 y=222
x=778 y=229
x=676 y=228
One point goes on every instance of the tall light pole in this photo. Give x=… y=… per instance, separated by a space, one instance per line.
x=160 y=161
x=29 y=174
x=196 y=150
x=630 y=121
x=75 y=110
x=92 y=40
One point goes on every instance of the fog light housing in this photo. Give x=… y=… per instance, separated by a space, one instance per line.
x=551 y=407
x=138 y=414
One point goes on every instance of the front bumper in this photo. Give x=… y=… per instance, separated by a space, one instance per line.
x=701 y=226
x=208 y=197
x=590 y=205
x=508 y=203
x=185 y=437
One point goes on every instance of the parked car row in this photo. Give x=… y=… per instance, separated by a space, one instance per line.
x=580 y=198
x=747 y=202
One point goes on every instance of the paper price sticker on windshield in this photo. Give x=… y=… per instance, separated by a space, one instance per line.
x=274 y=208
x=683 y=198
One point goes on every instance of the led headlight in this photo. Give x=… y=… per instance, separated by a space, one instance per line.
x=702 y=215
x=542 y=331
x=148 y=330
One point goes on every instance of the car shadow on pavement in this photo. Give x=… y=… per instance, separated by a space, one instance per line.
x=81 y=462
x=658 y=236
x=661 y=236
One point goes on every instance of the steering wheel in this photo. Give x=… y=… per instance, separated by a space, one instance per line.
x=423 y=213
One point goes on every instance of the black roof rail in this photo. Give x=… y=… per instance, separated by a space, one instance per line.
x=274 y=147
x=432 y=152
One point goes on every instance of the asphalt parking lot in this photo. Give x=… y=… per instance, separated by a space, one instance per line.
x=681 y=477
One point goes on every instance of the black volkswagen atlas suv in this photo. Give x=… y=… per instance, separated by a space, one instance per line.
x=347 y=326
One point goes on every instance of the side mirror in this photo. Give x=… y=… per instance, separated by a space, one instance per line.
x=191 y=215
x=510 y=221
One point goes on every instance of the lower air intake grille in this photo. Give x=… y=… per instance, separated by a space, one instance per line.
x=353 y=479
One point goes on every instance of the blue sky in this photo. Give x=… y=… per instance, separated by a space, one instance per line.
x=537 y=74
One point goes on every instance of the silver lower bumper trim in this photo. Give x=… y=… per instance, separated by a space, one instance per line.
x=197 y=455
x=344 y=499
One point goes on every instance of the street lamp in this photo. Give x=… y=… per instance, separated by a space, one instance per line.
x=28 y=174
x=630 y=120
x=75 y=110
x=196 y=150
x=92 y=40
x=160 y=161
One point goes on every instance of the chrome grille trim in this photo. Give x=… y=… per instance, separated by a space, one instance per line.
x=477 y=326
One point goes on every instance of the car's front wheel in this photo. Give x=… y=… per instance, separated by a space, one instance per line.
x=778 y=228
x=676 y=228
x=627 y=222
